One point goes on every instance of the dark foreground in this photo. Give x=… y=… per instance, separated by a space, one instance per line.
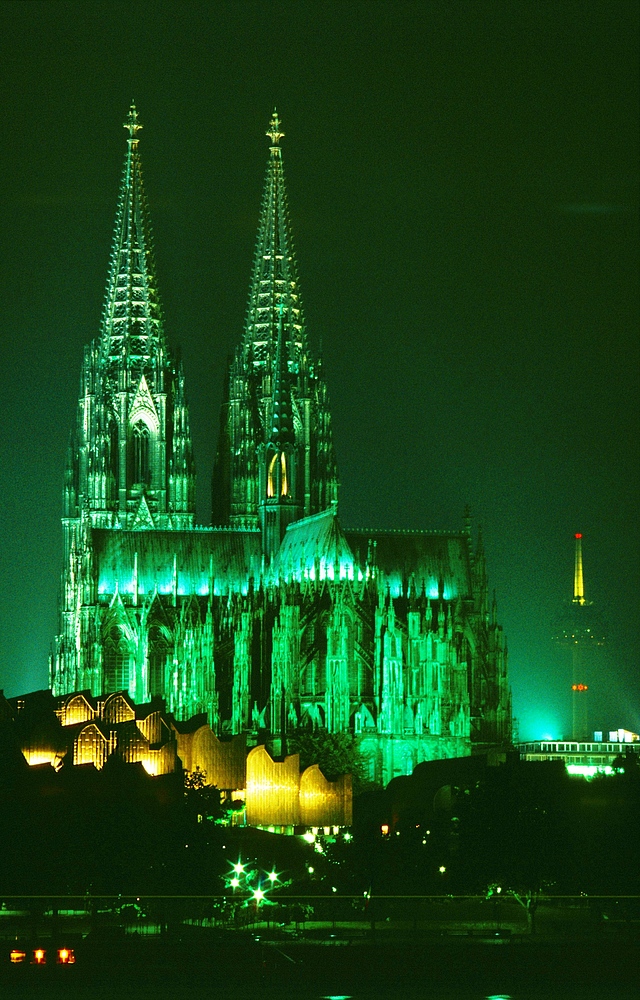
x=226 y=965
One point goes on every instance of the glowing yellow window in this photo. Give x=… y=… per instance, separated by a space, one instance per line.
x=271 y=490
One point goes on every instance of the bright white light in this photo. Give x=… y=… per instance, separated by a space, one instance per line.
x=589 y=770
x=235 y=882
x=442 y=869
x=258 y=895
x=272 y=876
x=309 y=837
x=238 y=868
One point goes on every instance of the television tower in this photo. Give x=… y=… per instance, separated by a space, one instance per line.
x=580 y=627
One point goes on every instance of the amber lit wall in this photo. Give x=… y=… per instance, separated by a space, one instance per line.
x=90 y=730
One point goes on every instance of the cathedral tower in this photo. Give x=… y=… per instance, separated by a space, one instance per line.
x=275 y=461
x=130 y=459
x=276 y=620
x=130 y=464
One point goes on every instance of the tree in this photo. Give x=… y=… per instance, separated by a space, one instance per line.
x=528 y=900
x=335 y=753
x=201 y=799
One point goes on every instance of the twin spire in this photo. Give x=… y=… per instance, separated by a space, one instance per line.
x=275 y=461
x=279 y=398
x=132 y=325
x=274 y=296
x=132 y=322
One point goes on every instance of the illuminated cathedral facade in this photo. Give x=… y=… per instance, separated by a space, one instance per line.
x=276 y=618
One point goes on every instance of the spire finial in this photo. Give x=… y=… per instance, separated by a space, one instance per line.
x=273 y=131
x=132 y=123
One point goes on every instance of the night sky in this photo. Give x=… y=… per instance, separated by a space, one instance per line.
x=463 y=184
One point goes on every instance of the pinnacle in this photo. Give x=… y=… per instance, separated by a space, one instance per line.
x=273 y=131
x=132 y=123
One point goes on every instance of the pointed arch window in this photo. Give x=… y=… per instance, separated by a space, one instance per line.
x=117 y=660
x=278 y=478
x=157 y=655
x=271 y=476
x=114 y=453
x=141 y=453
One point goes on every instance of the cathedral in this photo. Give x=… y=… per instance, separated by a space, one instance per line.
x=275 y=619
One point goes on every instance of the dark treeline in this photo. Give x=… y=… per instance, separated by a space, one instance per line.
x=453 y=827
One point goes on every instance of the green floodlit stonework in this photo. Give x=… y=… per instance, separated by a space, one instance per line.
x=277 y=617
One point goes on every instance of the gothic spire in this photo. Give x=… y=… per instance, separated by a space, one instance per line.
x=132 y=328
x=274 y=281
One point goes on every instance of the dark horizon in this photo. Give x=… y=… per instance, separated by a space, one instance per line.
x=463 y=192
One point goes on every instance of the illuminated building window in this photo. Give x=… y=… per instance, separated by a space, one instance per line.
x=114 y=455
x=117 y=656
x=141 y=466
x=284 y=483
x=158 y=651
x=271 y=476
x=271 y=489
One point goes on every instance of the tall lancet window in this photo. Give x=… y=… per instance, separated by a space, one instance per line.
x=271 y=476
x=284 y=479
x=114 y=455
x=140 y=440
x=117 y=656
x=158 y=651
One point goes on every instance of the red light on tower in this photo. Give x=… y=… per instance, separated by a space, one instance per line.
x=579 y=687
x=578 y=535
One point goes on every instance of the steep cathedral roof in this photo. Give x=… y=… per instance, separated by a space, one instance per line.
x=184 y=562
x=274 y=285
x=436 y=562
x=132 y=325
x=315 y=548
